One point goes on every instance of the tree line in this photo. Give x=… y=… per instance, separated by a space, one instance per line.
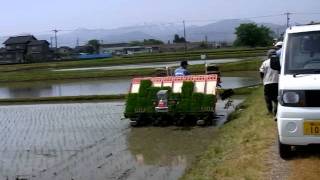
x=249 y=34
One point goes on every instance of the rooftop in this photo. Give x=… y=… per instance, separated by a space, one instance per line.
x=20 y=40
x=38 y=42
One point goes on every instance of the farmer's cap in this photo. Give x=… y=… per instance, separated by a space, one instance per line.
x=278 y=44
x=184 y=63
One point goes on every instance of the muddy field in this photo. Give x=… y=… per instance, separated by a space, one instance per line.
x=90 y=141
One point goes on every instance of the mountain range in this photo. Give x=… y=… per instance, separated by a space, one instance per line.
x=219 y=31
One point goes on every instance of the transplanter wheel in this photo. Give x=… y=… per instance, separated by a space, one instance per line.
x=134 y=122
x=209 y=119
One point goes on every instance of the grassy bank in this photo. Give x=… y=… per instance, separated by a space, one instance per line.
x=40 y=75
x=241 y=149
x=64 y=99
x=150 y=58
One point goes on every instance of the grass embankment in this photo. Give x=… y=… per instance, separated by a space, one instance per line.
x=150 y=58
x=64 y=99
x=39 y=75
x=242 y=147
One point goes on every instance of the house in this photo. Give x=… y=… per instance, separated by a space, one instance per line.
x=24 y=49
x=38 y=51
x=179 y=46
x=65 y=51
x=83 y=49
x=16 y=48
x=137 y=50
x=115 y=49
x=125 y=49
x=174 y=47
x=3 y=53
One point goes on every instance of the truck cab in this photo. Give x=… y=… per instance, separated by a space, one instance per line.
x=298 y=117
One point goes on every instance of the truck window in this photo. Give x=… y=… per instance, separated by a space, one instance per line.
x=303 y=53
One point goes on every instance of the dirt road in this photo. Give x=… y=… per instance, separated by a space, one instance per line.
x=304 y=166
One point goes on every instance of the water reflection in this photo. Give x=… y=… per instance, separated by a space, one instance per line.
x=30 y=91
x=100 y=86
x=169 y=146
x=64 y=88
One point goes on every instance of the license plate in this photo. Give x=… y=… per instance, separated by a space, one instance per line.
x=311 y=128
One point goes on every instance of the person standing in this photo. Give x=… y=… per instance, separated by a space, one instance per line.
x=278 y=47
x=270 y=79
x=182 y=70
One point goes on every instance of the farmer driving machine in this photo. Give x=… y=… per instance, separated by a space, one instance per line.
x=173 y=99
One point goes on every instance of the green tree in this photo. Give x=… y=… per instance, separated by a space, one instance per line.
x=136 y=43
x=146 y=42
x=253 y=35
x=95 y=44
x=152 y=42
x=178 y=39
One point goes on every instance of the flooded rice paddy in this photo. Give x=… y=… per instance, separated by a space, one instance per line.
x=154 y=65
x=101 y=86
x=84 y=141
x=90 y=141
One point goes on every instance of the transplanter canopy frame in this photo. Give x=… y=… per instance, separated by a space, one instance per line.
x=205 y=84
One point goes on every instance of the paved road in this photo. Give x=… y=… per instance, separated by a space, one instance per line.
x=152 y=65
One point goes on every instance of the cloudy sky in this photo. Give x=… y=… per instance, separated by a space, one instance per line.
x=41 y=16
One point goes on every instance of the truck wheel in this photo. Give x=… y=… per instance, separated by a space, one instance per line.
x=285 y=151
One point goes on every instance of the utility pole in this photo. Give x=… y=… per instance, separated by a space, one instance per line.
x=185 y=37
x=55 y=37
x=77 y=43
x=56 y=41
x=51 y=41
x=288 y=18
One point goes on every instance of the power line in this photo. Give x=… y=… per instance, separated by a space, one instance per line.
x=251 y=17
x=264 y=16
x=306 y=13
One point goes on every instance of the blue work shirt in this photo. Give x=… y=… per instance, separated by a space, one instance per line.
x=181 y=72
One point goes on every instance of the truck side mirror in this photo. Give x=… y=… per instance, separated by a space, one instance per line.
x=275 y=63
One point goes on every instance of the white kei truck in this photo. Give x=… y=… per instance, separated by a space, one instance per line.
x=298 y=116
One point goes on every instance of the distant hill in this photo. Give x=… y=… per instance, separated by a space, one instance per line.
x=224 y=30
x=218 y=31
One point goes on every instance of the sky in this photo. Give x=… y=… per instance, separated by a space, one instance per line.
x=41 y=16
